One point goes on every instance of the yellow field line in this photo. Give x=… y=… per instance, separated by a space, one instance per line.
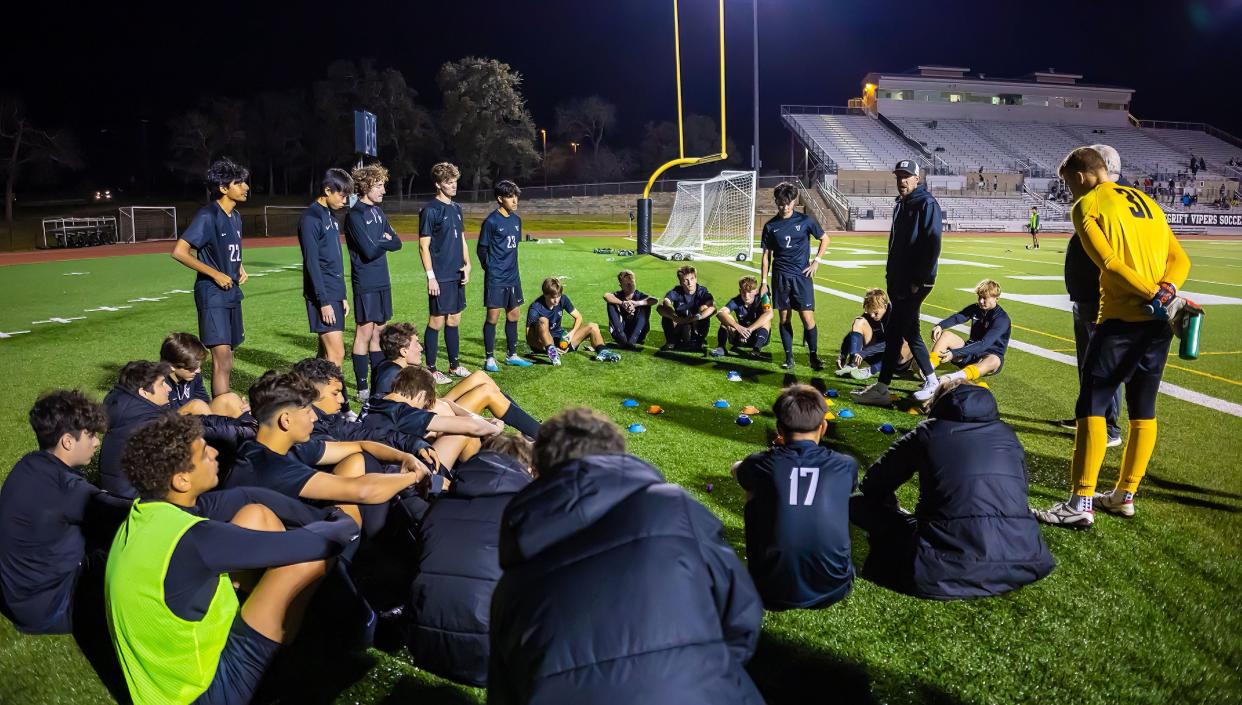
x=1057 y=337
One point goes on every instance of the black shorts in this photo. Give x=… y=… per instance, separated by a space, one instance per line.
x=507 y=296
x=1133 y=354
x=792 y=292
x=315 y=319
x=373 y=306
x=221 y=326
x=965 y=360
x=247 y=655
x=452 y=299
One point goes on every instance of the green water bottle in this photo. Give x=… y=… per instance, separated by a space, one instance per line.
x=1189 y=348
x=766 y=301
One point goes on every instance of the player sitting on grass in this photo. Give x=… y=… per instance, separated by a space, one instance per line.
x=446 y=260
x=862 y=349
x=323 y=271
x=497 y=250
x=411 y=407
x=48 y=515
x=686 y=312
x=369 y=237
x=544 y=331
x=185 y=354
x=598 y=529
x=745 y=323
x=1141 y=268
x=629 y=312
x=971 y=534
x=181 y=631
x=983 y=353
x=459 y=562
x=215 y=235
x=786 y=243
x=797 y=509
x=476 y=393
x=284 y=407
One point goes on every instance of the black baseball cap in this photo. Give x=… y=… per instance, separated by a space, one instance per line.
x=907 y=165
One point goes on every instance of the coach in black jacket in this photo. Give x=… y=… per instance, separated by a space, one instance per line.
x=458 y=563
x=913 y=252
x=618 y=587
x=972 y=533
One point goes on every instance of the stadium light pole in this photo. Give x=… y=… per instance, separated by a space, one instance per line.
x=544 y=134
x=754 y=154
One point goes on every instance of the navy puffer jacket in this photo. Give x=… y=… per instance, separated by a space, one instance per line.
x=458 y=566
x=975 y=534
x=618 y=588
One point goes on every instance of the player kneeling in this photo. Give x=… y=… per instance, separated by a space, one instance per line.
x=862 y=349
x=744 y=322
x=797 y=509
x=983 y=354
x=544 y=330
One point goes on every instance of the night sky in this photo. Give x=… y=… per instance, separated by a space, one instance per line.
x=103 y=68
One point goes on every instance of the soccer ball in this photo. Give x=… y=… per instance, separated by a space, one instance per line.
x=742 y=256
x=677 y=257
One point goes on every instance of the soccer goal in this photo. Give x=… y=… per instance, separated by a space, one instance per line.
x=143 y=223
x=281 y=220
x=711 y=219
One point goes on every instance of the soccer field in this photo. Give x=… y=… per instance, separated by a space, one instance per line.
x=1147 y=610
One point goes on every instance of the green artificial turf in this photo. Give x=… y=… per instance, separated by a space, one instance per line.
x=1137 y=611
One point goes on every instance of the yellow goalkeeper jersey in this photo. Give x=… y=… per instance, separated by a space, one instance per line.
x=1125 y=233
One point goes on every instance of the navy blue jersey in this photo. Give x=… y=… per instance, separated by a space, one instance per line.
x=260 y=466
x=797 y=524
x=183 y=393
x=387 y=416
x=745 y=315
x=989 y=331
x=323 y=271
x=383 y=376
x=443 y=223
x=539 y=309
x=689 y=304
x=789 y=241
x=216 y=239
x=44 y=506
x=497 y=248
x=637 y=295
x=365 y=228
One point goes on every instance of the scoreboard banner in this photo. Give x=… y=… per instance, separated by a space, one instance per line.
x=1225 y=220
x=365 y=140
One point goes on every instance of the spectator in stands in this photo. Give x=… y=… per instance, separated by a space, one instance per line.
x=995 y=184
x=1172 y=189
x=913 y=251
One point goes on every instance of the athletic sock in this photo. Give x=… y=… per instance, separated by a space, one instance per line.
x=1090 y=442
x=431 y=345
x=519 y=419
x=1139 y=446
x=852 y=344
x=1080 y=503
x=361 y=364
x=812 y=339
x=971 y=372
x=934 y=357
x=511 y=330
x=489 y=339
x=960 y=374
x=377 y=358
x=787 y=338
x=452 y=345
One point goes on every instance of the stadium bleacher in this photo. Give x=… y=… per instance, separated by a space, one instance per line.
x=1215 y=151
x=854 y=141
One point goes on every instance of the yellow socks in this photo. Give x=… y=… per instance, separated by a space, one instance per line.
x=972 y=372
x=1139 y=446
x=1090 y=442
x=935 y=359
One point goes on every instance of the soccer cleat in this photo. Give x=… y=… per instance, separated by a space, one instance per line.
x=845 y=370
x=816 y=363
x=717 y=352
x=554 y=357
x=440 y=377
x=607 y=355
x=1113 y=442
x=1114 y=502
x=862 y=373
x=490 y=365
x=459 y=371
x=518 y=361
x=1061 y=514
x=1071 y=424
x=788 y=364
x=930 y=385
x=874 y=395
x=668 y=347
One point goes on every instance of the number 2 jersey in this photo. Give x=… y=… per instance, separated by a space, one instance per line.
x=1126 y=235
x=216 y=239
x=797 y=524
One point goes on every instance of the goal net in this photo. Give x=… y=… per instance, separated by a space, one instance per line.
x=143 y=223
x=711 y=219
x=281 y=220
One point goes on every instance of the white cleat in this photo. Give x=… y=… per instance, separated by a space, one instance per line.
x=1060 y=514
x=930 y=385
x=1114 y=502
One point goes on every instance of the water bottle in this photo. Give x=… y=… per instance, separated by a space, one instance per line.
x=1189 y=348
x=766 y=301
